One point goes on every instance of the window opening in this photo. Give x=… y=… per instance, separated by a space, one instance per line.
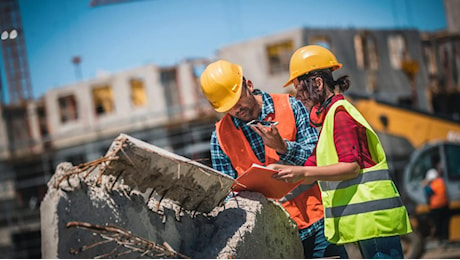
x=279 y=55
x=68 y=110
x=103 y=100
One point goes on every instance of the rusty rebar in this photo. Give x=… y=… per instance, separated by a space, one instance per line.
x=125 y=239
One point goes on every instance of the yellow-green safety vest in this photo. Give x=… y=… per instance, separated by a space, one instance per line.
x=364 y=207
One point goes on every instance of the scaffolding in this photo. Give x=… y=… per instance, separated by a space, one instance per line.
x=14 y=53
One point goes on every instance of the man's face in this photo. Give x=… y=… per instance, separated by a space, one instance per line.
x=302 y=95
x=246 y=107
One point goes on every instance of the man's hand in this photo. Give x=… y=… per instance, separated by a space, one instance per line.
x=271 y=137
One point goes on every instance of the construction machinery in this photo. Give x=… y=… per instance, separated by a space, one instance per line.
x=411 y=139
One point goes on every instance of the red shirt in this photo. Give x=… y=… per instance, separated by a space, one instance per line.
x=349 y=137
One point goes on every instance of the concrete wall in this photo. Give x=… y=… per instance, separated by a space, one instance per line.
x=89 y=126
x=251 y=55
x=392 y=84
x=125 y=117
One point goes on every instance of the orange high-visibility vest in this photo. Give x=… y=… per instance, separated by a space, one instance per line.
x=233 y=142
x=305 y=208
x=439 y=198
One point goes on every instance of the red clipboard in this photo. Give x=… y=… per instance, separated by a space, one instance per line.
x=259 y=179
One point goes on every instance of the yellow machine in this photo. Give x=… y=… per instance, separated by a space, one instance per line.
x=411 y=140
x=417 y=127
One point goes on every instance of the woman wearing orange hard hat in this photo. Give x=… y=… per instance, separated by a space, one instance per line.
x=361 y=202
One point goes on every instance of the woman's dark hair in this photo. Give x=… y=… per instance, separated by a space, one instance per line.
x=308 y=84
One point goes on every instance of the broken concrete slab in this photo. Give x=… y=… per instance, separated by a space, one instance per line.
x=249 y=226
x=93 y=211
x=144 y=166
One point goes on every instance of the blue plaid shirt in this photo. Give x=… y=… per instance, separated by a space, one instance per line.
x=297 y=152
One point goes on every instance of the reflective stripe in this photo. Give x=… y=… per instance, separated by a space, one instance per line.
x=296 y=192
x=378 y=175
x=363 y=207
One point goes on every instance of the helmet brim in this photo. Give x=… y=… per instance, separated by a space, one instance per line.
x=334 y=68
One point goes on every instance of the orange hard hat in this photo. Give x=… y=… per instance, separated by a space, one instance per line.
x=310 y=58
x=221 y=83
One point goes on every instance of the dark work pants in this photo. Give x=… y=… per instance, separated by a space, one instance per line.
x=441 y=219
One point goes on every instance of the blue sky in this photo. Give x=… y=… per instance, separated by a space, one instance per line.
x=121 y=36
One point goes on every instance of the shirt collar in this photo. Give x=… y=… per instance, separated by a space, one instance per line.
x=335 y=98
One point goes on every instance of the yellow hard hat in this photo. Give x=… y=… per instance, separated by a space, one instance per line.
x=310 y=58
x=221 y=83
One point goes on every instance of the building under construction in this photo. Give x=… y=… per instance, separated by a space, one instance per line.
x=165 y=107
x=77 y=123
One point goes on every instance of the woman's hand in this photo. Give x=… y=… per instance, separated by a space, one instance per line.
x=291 y=173
x=309 y=174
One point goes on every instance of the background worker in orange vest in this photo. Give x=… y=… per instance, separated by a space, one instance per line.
x=235 y=146
x=435 y=190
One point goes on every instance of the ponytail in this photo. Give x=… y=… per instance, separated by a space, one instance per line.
x=343 y=83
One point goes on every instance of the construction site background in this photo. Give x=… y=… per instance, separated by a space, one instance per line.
x=164 y=106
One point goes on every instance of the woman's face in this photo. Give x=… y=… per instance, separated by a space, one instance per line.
x=302 y=95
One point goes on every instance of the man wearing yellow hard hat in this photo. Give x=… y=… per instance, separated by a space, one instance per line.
x=235 y=145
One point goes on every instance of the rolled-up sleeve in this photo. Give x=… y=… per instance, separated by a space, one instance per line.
x=351 y=140
x=346 y=137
